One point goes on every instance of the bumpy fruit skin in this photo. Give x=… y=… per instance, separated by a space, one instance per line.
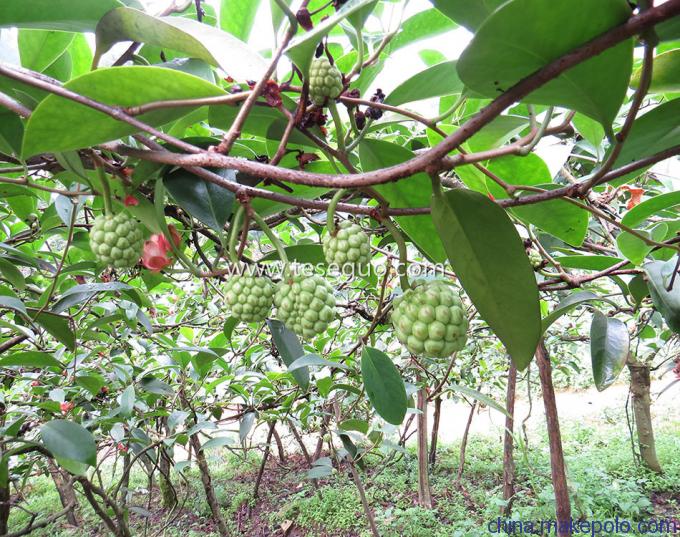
x=349 y=249
x=116 y=240
x=306 y=304
x=429 y=319
x=535 y=259
x=249 y=298
x=325 y=81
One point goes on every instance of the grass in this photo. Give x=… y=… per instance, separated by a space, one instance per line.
x=605 y=483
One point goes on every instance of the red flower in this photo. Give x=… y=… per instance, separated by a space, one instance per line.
x=35 y=383
x=155 y=253
x=131 y=201
x=66 y=407
x=122 y=447
x=272 y=94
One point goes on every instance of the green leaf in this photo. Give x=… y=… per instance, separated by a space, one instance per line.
x=93 y=383
x=313 y=360
x=651 y=207
x=669 y=30
x=609 y=348
x=420 y=26
x=655 y=131
x=237 y=17
x=301 y=50
x=470 y=392
x=38 y=49
x=438 y=80
x=81 y=293
x=57 y=326
x=360 y=426
x=569 y=303
x=127 y=401
x=588 y=262
x=638 y=288
x=413 y=192
x=467 y=13
x=488 y=257
x=384 y=385
x=557 y=217
x=64 y=15
x=12 y=303
x=290 y=349
x=30 y=359
x=12 y=274
x=229 y=325
x=195 y=39
x=156 y=386
x=511 y=44
x=300 y=253
x=590 y=129
x=58 y=124
x=207 y=202
x=659 y=275
x=71 y=444
x=665 y=75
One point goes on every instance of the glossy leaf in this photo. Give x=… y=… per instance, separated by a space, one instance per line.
x=384 y=386
x=39 y=49
x=57 y=326
x=478 y=396
x=421 y=25
x=12 y=303
x=667 y=302
x=414 y=192
x=300 y=253
x=571 y=302
x=436 y=81
x=466 y=13
x=488 y=257
x=71 y=444
x=511 y=45
x=665 y=74
x=58 y=124
x=64 y=15
x=301 y=50
x=12 y=274
x=35 y=359
x=609 y=348
x=237 y=17
x=195 y=39
x=207 y=202
x=290 y=349
x=588 y=262
x=314 y=360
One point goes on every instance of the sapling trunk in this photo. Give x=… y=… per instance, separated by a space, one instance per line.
x=640 y=384
x=67 y=494
x=206 y=479
x=559 y=476
x=424 y=494
x=435 y=430
x=508 y=444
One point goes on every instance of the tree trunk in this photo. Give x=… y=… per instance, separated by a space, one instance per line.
x=65 y=489
x=424 y=494
x=123 y=494
x=168 y=494
x=463 y=442
x=362 y=494
x=435 y=430
x=265 y=456
x=508 y=443
x=559 y=477
x=279 y=446
x=640 y=384
x=208 y=486
x=4 y=508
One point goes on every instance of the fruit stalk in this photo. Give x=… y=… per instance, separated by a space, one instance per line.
x=332 y=206
x=402 y=268
x=106 y=189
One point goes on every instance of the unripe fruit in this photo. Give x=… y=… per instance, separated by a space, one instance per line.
x=325 y=81
x=349 y=249
x=249 y=298
x=116 y=240
x=306 y=304
x=429 y=319
x=535 y=259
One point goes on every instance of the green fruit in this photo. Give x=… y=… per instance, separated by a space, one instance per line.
x=429 y=319
x=325 y=81
x=349 y=249
x=116 y=240
x=306 y=304
x=535 y=259
x=249 y=298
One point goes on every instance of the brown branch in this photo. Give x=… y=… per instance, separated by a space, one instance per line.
x=14 y=106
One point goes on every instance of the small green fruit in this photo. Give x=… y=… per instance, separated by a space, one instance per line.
x=535 y=259
x=306 y=304
x=325 y=81
x=429 y=319
x=349 y=249
x=249 y=298
x=116 y=240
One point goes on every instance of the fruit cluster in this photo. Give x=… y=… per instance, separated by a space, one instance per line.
x=305 y=303
x=116 y=240
x=249 y=298
x=535 y=259
x=325 y=81
x=349 y=249
x=430 y=320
